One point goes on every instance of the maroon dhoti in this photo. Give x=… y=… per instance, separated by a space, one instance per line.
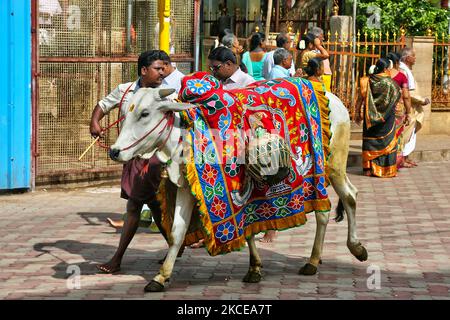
x=140 y=179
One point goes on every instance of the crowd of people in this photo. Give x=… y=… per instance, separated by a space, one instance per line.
x=392 y=114
x=388 y=107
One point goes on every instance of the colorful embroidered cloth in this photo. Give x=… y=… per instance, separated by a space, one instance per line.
x=231 y=205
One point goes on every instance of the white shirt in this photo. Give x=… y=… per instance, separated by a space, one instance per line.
x=409 y=75
x=238 y=80
x=269 y=63
x=173 y=80
x=125 y=91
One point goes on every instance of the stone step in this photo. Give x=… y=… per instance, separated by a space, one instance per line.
x=429 y=148
x=356 y=132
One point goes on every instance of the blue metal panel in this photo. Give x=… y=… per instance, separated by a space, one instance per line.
x=15 y=94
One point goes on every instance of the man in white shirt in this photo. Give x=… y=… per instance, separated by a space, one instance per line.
x=283 y=61
x=408 y=59
x=283 y=41
x=139 y=184
x=172 y=76
x=223 y=66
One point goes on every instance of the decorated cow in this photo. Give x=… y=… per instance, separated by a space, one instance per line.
x=243 y=162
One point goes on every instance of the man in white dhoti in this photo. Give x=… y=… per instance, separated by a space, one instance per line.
x=408 y=59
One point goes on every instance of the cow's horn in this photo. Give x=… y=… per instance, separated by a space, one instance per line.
x=165 y=92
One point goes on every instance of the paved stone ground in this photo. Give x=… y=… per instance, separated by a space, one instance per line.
x=403 y=222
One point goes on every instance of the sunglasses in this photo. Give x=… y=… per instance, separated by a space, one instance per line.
x=215 y=68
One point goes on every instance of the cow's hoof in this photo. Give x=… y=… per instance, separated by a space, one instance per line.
x=363 y=256
x=252 y=277
x=308 y=270
x=154 y=286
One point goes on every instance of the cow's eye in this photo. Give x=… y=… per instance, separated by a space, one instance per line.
x=145 y=114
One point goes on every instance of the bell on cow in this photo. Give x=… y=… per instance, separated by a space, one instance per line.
x=164 y=173
x=268 y=159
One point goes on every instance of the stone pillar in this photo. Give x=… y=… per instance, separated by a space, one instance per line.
x=423 y=72
x=342 y=25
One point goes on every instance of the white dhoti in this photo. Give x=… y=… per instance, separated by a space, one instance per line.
x=410 y=145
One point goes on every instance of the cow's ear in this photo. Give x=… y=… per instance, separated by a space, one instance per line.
x=175 y=107
x=163 y=93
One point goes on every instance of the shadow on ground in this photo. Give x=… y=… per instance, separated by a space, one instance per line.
x=99 y=218
x=197 y=268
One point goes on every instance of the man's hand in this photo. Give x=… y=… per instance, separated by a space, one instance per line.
x=407 y=120
x=317 y=42
x=427 y=101
x=299 y=73
x=95 y=129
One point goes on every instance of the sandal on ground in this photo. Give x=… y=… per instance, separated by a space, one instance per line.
x=408 y=165
x=115 y=223
x=411 y=163
x=102 y=268
x=197 y=245
x=367 y=173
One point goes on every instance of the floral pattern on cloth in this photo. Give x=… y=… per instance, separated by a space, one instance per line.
x=233 y=207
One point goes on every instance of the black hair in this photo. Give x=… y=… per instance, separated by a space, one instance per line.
x=243 y=67
x=394 y=57
x=223 y=33
x=263 y=35
x=313 y=65
x=222 y=54
x=308 y=38
x=381 y=65
x=148 y=57
x=282 y=39
x=165 y=57
x=255 y=40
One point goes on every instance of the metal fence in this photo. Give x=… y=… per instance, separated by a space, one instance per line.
x=351 y=57
x=440 y=87
x=86 y=48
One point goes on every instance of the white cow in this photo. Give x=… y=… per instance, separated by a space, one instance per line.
x=146 y=130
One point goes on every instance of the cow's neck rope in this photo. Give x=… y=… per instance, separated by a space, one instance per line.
x=170 y=117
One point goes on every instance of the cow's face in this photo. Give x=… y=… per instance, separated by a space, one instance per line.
x=146 y=110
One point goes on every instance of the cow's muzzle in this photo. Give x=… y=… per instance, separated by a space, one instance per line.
x=114 y=154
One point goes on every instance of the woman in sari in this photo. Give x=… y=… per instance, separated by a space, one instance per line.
x=379 y=94
x=254 y=59
x=403 y=109
x=310 y=47
x=314 y=70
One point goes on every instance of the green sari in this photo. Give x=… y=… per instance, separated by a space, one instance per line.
x=381 y=96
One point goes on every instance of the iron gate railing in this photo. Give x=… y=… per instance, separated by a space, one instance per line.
x=441 y=80
x=351 y=57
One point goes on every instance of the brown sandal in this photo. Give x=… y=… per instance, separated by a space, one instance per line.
x=411 y=163
x=104 y=269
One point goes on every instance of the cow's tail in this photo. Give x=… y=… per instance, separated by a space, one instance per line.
x=340 y=212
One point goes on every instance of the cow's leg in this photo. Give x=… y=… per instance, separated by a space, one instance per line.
x=347 y=202
x=311 y=267
x=346 y=191
x=182 y=217
x=254 y=272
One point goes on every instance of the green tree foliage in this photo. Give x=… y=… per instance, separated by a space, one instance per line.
x=415 y=16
